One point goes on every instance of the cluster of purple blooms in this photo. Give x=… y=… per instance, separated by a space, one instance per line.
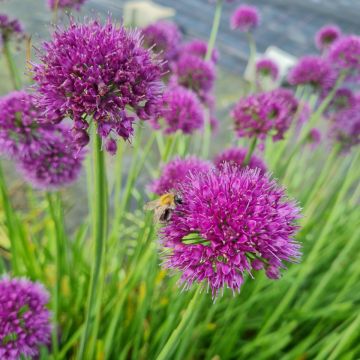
x=9 y=28
x=267 y=68
x=44 y=153
x=344 y=118
x=344 y=54
x=231 y=222
x=163 y=38
x=326 y=36
x=180 y=109
x=24 y=319
x=98 y=72
x=314 y=71
x=245 y=18
x=266 y=113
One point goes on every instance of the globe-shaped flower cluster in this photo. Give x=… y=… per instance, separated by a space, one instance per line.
x=98 y=72
x=230 y=223
x=265 y=113
x=24 y=318
x=314 y=71
x=245 y=18
x=267 y=68
x=164 y=38
x=326 y=36
x=45 y=153
x=180 y=109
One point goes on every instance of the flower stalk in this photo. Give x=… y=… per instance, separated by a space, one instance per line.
x=15 y=78
x=99 y=231
x=250 y=151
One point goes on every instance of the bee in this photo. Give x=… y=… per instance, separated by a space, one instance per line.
x=164 y=206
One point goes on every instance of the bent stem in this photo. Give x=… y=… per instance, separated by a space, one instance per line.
x=11 y=65
x=180 y=329
x=99 y=221
x=250 y=152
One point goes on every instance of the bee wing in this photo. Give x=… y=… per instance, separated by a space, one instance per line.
x=151 y=205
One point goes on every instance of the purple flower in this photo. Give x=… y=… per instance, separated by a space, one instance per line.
x=229 y=221
x=345 y=128
x=24 y=318
x=180 y=109
x=20 y=130
x=236 y=156
x=314 y=71
x=267 y=67
x=245 y=18
x=195 y=74
x=265 y=113
x=94 y=71
x=45 y=152
x=344 y=54
x=326 y=36
x=9 y=28
x=54 y=165
x=164 y=38
x=176 y=171
x=343 y=98
x=65 y=4
x=314 y=137
x=199 y=48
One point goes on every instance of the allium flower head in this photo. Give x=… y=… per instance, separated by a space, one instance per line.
x=65 y=4
x=313 y=70
x=195 y=74
x=180 y=109
x=176 y=171
x=54 y=165
x=343 y=98
x=266 y=113
x=230 y=223
x=245 y=18
x=326 y=36
x=314 y=137
x=94 y=71
x=24 y=319
x=267 y=68
x=236 y=156
x=344 y=54
x=20 y=132
x=345 y=128
x=199 y=48
x=9 y=28
x=164 y=38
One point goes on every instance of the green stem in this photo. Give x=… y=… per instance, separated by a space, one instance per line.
x=99 y=238
x=11 y=65
x=251 y=62
x=250 y=152
x=180 y=329
x=214 y=29
x=56 y=292
x=10 y=223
